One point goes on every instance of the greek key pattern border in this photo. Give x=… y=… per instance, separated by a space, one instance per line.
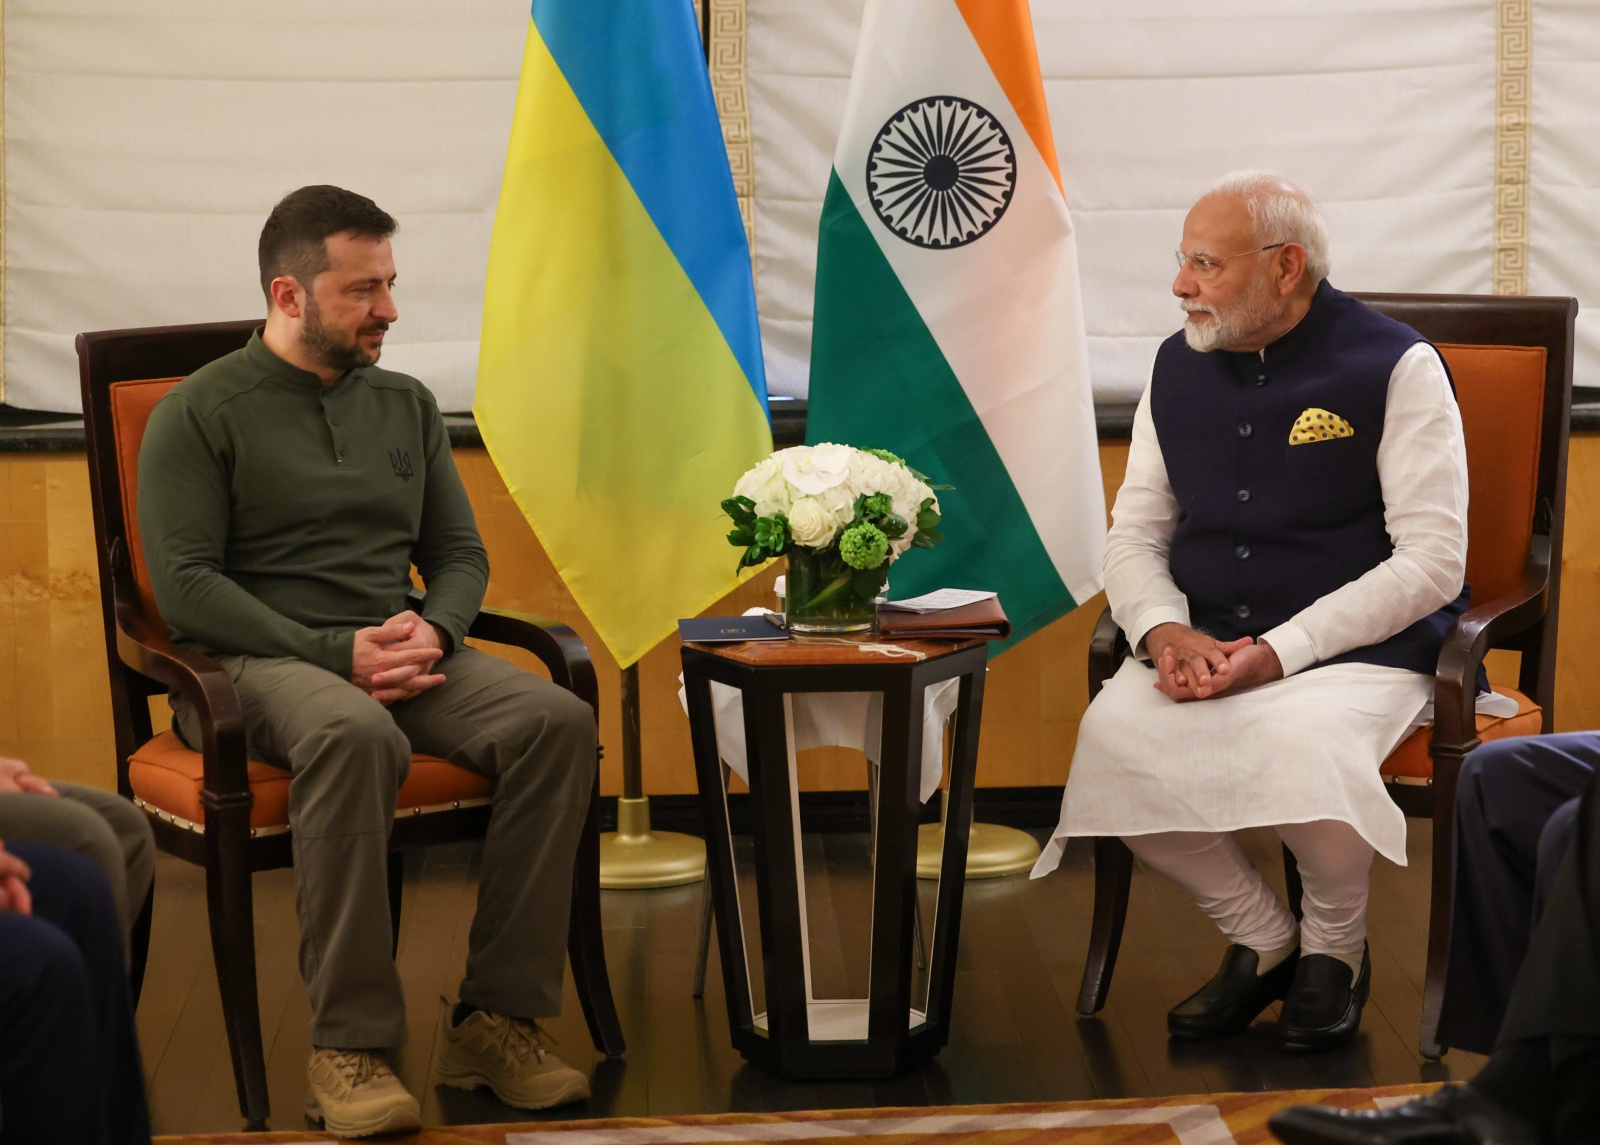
x=1513 y=103
x=726 y=61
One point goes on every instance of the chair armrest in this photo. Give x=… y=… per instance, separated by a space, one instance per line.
x=560 y=649
x=1108 y=648
x=200 y=680
x=1473 y=634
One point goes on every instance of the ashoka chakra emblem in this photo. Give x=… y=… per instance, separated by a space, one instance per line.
x=941 y=172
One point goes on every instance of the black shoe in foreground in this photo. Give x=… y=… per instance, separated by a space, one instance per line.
x=1455 y=1115
x=1232 y=999
x=1323 y=1006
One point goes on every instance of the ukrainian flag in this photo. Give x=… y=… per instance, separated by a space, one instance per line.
x=620 y=386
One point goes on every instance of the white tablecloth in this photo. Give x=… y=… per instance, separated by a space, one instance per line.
x=836 y=719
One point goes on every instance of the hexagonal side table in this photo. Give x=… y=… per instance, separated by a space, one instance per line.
x=797 y=1034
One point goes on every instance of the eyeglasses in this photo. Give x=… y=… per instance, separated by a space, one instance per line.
x=1204 y=265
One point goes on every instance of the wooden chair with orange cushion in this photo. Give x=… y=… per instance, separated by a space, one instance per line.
x=1511 y=360
x=218 y=808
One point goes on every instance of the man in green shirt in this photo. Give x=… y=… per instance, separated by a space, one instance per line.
x=284 y=492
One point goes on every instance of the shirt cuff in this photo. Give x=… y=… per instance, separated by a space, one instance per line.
x=1293 y=646
x=1150 y=618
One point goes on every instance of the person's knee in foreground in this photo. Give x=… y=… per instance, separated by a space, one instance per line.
x=1288 y=548
x=100 y=825
x=69 y=1053
x=1516 y=801
x=284 y=492
x=1541 y=1085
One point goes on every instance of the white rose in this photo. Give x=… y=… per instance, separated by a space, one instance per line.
x=813 y=469
x=764 y=484
x=811 y=523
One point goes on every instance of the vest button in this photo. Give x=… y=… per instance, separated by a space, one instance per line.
x=1244 y=429
x=1242 y=612
x=1261 y=379
x=1242 y=552
x=1243 y=494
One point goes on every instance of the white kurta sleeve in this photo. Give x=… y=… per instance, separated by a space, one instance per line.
x=1139 y=584
x=1422 y=466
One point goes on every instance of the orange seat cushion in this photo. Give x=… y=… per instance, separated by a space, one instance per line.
x=167 y=775
x=1411 y=759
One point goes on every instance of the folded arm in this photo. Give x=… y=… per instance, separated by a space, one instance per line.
x=1139 y=584
x=449 y=553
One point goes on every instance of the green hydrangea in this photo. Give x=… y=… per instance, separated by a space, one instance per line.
x=878 y=505
x=863 y=546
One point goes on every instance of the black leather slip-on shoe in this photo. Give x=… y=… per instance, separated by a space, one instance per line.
x=1323 y=1006
x=1232 y=999
x=1455 y=1115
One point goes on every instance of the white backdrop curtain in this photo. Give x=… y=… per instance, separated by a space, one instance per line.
x=146 y=139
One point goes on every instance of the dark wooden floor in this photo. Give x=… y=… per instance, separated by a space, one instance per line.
x=1015 y=1036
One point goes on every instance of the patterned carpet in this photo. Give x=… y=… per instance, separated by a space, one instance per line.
x=1215 y=1119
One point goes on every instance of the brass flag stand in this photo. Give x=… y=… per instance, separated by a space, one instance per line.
x=993 y=851
x=633 y=857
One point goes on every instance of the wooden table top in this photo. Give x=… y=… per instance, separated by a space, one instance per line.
x=798 y=651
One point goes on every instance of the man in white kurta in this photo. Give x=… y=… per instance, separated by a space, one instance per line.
x=1273 y=671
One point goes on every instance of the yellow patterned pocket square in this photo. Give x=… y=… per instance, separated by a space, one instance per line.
x=1318 y=425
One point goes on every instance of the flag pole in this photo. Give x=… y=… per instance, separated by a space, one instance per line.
x=633 y=857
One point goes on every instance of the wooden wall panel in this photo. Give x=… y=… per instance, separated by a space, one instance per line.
x=55 y=706
x=55 y=710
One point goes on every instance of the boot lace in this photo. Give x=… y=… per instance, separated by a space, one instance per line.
x=355 y=1067
x=524 y=1041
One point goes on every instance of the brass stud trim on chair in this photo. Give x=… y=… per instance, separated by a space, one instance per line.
x=263 y=832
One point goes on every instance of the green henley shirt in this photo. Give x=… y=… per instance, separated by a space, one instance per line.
x=278 y=514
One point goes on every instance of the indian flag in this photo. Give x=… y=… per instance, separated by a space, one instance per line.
x=948 y=322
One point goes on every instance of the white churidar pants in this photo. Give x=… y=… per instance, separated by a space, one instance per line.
x=1334 y=862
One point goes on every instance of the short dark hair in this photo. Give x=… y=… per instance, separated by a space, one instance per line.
x=294 y=239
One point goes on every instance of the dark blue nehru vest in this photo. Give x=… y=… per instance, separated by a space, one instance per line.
x=1265 y=528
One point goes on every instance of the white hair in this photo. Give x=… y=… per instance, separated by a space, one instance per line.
x=1281 y=211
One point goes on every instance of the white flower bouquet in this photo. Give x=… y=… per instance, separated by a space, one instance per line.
x=842 y=516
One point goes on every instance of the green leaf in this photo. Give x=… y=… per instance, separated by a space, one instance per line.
x=866 y=583
x=893 y=526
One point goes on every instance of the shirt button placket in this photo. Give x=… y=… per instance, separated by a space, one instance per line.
x=333 y=431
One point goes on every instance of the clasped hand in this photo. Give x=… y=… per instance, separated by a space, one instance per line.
x=391 y=661
x=15 y=777
x=1193 y=666
x=14 y=875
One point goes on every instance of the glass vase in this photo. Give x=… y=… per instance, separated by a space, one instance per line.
x=825 y=596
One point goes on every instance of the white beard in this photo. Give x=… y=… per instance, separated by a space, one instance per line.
x=1251 y=313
